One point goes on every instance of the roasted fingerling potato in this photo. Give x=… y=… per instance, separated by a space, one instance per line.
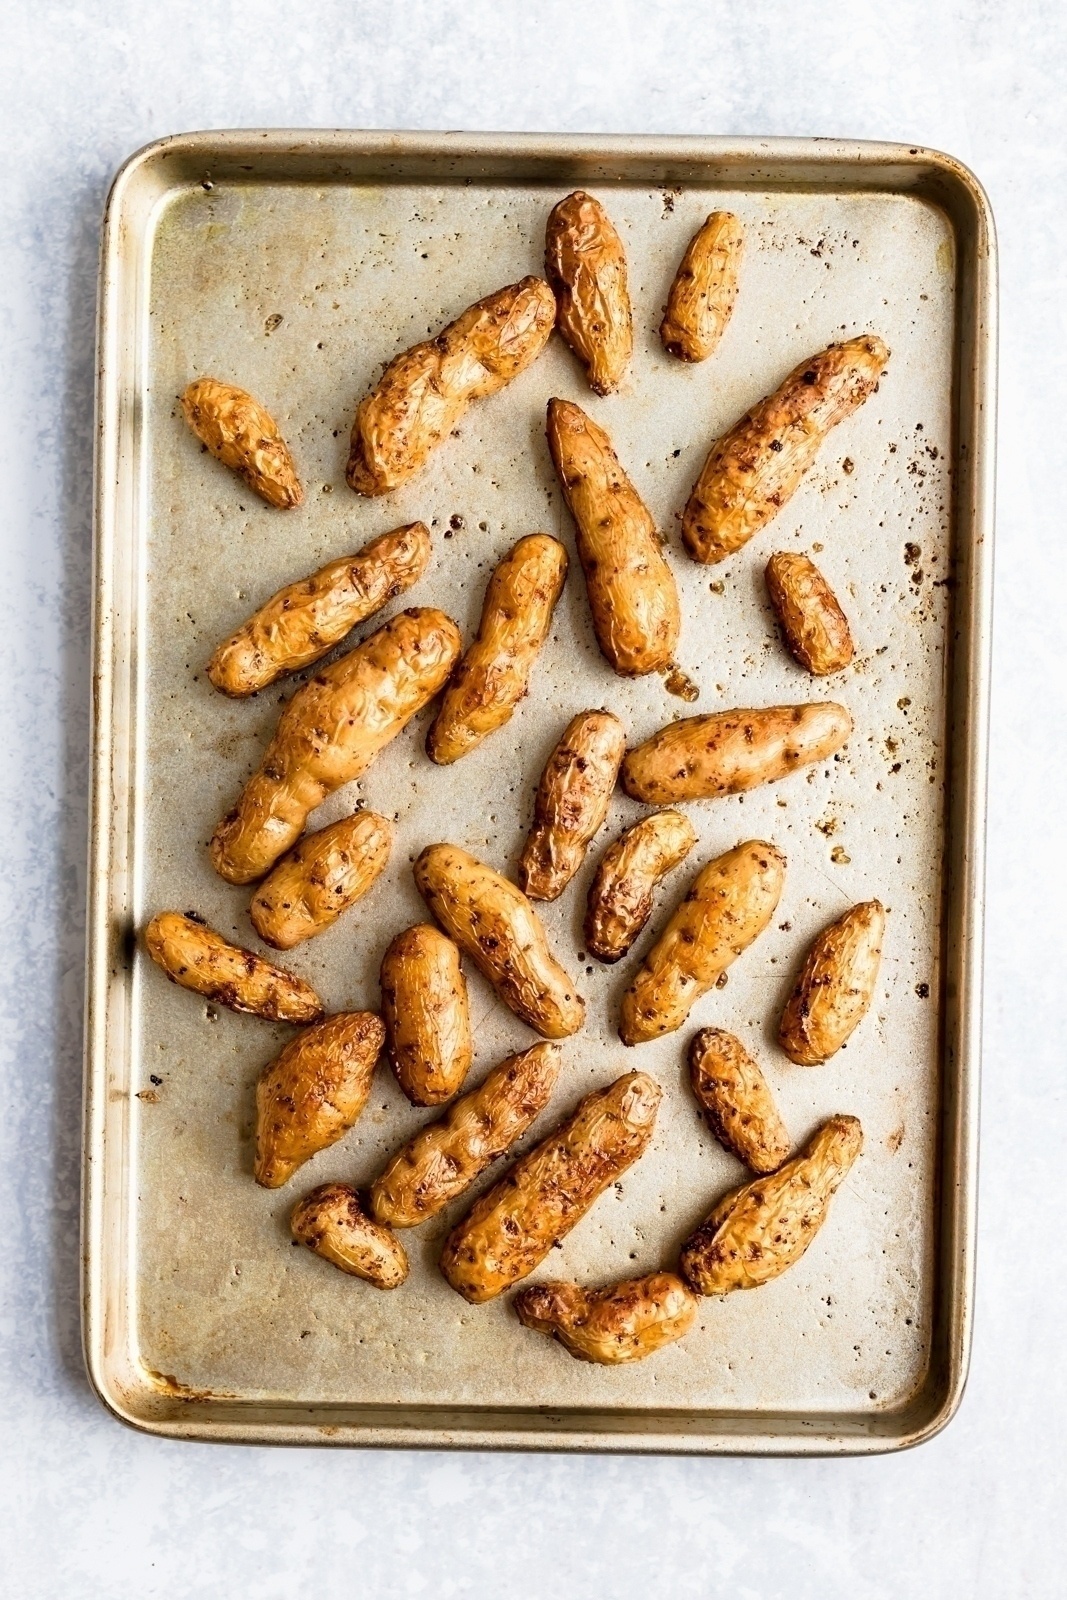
x=426 y=1011
x=244 y=436
x=196 y=957
x=624 y=1322
x=630 y=871
x=704 y=290
x=736 y=1100
x=321 y=877
x=835 y=987
x=586 y=265
x=332 y=1223
x=310 y=1095
x=813 y=624
x=571 y=803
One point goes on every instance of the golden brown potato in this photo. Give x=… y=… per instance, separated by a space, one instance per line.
x=538 y=1201
x=426 y=1013
x=624 y=1322
x=423 y=392
x=330 y=732
x=835 y=986
x=761 y=1229
x=244 y=436
x=632 y=593
x=728 y=905
x=754 y=469
x=812 y=621
x=310 y=1095
x=572 y=801
x=736 y=1100
x=200 y=959
x=586 y=266
x=492 y=677
x=727 y=752
x=331 y=1222
x=321 y=876
x=704 y=290
x=299 y=624
x=493 y=922
x=444 y=1159
x=630 y=870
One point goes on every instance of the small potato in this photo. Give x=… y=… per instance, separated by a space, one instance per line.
x=624 y=1322
x=761 y=1229
x=704 y=290
x=299 y=624
x=815 y=627
x=493 y=922
x=727 y=752
x=755 y=468
x=620 y=898
x=539 y=1200
x=321 y=876
x=331 y=1222
x=311 y=1094
x=736 y=1100
x=423 y=392
x=444 y=1159
x=835 y=986
x=572 y=802
x=586 y=265
x=728 y=905
x=200 y=959
x=244 y=436
x=492 y=677
x=426 y=1013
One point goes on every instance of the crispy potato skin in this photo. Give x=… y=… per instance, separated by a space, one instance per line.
x=704 y=290
x=299 y=624
x=426 y=1012
x=586 y=266
x=196 y=957
x=321 y=876
x=812 y=621
x=835 y=986
x=727 y=752
x=494 y=923
x=620 y=896
x=736 y=1100
x=572 y=801
x=424 y=391
x=244 y=436
x=624 y=1322
x=539 y=1200
x=761 y=1229
x=330 y=732
x=728 y=905
x=310 y=1095
x=331 y=1222
x=444 y=1159
x=755 y=468
x=632 y=593
x=492 y=677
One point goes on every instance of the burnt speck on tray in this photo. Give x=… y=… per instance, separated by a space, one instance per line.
x=923 y=991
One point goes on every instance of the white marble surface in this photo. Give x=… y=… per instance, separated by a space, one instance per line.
x=90 y=1508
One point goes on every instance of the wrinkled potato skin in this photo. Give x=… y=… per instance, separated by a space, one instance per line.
x=539 y=1200
x=198 y=958
x=624 y=1322
x=492 y=677
x=426 y=1012
x=444 y=1159
x=331 y=1222
x=586 y=265
x=494 y=923
x=620 y=897
x=755 y=468
x=310 y=1095
x=728 y=752
x=737 y=1101
x=763 y=1228
x=572 y=801
x=835 y=987
x=330 y=732
x=424 y=392
x=728 y=905
x=812 y=621
x=704 y=290
x=320 y=878
x=299 y=624
x=632 y=593
x=244 y=436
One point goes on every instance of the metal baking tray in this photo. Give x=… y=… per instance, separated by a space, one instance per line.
x=296 y=264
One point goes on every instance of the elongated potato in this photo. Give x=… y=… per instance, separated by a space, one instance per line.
x=424 y=392
x=755 y=468
x=330 y=732
x=586 y=265
x=632 y=593
x=704 y=290
x=835 y=986
x=493 y=922
x=244 y=436
x=321 y=876
x=728 y=905
x=444 y=1159
x=539 y=1200
x=624 y=1322
x=572 y=801
x=812 y=621
x=727 y=752
x=620 y=897
x=198 y=958
x=736 y=1100
x=492 y=677
x=761 y=1229
x=331 y=1222
x=310 y=1095
x=300 y=623
x=427 y=1017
